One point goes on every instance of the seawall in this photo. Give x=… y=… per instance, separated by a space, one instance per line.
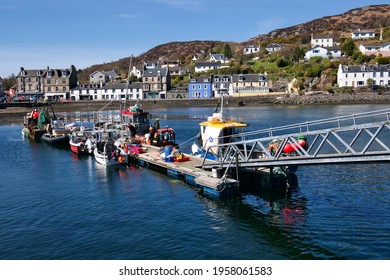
x=15 y=114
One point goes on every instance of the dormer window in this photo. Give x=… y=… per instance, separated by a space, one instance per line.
x=240 y=78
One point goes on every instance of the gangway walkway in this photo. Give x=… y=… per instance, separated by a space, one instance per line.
x=354 y=138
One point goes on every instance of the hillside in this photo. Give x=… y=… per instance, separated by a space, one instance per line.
x=369 y=17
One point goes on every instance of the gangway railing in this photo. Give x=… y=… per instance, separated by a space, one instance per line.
x=363 y=137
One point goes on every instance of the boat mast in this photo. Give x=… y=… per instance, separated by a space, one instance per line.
x=128 y=79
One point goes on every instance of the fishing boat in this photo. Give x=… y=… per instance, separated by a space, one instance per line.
x=216 y=131
x=109 y=153
x=82 y=142
x=136 y=117
x=35 y=124
x=57 y=133
x=55 y=139
x=212 y=143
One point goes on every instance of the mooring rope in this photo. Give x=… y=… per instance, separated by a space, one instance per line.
x=196 y=136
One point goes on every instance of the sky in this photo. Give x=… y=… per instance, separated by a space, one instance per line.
x=36 y=34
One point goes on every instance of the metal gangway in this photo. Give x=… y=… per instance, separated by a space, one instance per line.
x=357 y=138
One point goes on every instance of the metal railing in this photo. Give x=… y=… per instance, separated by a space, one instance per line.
x=361 y=137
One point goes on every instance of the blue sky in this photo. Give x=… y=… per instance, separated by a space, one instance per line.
x=40 y=33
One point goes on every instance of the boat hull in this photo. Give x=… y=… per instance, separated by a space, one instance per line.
x=60 y=140
x=32 y=133
x=77 y=148
x=106 y=160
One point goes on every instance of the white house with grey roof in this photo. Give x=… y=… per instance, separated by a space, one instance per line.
x=325 y=52
x=251 y=49
x=363 y=34
x=357 y=76
x=207 y=66
x=375 y=49
x=215 y=57
x=323 y=40
x=222 y=85
x=114 y=91
x=274 y=47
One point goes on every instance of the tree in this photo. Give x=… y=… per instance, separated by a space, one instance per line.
x=227 y=51
x=349 y=47
x=370 y=82
x=296 y=54
x=282 y=62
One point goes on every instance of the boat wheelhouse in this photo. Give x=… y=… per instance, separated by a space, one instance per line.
x=137 y=117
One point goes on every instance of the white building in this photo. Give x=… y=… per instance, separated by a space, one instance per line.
x=217 y=57
x=357 y=76
x=207 y=66
x=326 y=52
x=222 y=85
x=375 y=49
x=114 y=91
x=323 y=40
x=251 y=49
x=363 y=34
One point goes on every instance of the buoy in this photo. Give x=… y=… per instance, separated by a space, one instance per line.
x=288 y=148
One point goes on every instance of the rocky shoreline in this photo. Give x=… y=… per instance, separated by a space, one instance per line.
x=15 y=114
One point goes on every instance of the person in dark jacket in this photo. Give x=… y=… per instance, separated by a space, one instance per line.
x=132 y=130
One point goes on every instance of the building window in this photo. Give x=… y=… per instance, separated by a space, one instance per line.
x=205 y=86
x=193 y=87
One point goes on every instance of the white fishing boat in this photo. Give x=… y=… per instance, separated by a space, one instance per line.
x=110 y=153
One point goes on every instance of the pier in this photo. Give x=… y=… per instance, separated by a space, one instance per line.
x=208 y=181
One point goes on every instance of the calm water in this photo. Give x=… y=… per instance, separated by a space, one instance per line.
x=54 y=205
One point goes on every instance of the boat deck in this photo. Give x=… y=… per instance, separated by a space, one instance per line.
x=189 y=171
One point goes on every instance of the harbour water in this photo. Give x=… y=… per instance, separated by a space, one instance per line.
x=54 y=205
